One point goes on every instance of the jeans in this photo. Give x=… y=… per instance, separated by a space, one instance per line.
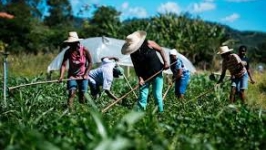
x=157 y=87
x=181 y=85
x=82 y=85
x=240 y=83
x=94 y=87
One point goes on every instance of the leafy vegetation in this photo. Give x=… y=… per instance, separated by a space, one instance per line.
x=36 y=118
x=37 y=31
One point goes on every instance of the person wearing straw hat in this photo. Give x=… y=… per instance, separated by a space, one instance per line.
x=181 y=74
x=239 y=76
x=147 y=66
x=80 y=63
x=103 y=76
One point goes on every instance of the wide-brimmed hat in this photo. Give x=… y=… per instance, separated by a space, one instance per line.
x=133 y=42
x=224 y=49
x=173 y=52
x=72 y=37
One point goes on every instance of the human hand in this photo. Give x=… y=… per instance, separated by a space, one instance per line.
x=165 y=66
x=252 y=81
x=86 y=77
x=141 y=81
x=60 y=79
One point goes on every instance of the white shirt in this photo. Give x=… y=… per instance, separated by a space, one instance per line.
x=103 y=75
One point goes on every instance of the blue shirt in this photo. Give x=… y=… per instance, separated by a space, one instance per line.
x=179 y=65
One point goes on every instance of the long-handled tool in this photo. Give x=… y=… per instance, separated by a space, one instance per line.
x=137 y=86
x=40 y=82
x=130 y=85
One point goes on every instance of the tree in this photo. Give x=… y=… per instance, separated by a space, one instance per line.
x=131 y=25
x=14 y=31
x=105 y=22
x=60 y=13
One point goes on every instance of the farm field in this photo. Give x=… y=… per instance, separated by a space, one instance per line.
x=36 y=118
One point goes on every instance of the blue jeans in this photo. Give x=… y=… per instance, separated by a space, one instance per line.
x=157 y=88
x=94 y=87
x=181 y=85
x=82 y=85
x=240 y=83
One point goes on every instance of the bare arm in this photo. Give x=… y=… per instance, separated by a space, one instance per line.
x=63 y=66
x=159 y=49
x=89 y=59
x=251 y=79
x=249 y=73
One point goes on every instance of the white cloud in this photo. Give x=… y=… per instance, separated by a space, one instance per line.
x=231 y=18
x=239 y=1
x=137 y=12
x=130 y=12
x=169 y=7
x=204 y=6
x=125 y=5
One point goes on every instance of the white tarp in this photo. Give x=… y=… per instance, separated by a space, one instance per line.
x=104 y=46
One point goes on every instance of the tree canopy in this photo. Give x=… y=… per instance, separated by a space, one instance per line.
x=38 y=30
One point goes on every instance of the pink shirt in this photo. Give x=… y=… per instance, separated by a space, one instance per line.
x=77 y=63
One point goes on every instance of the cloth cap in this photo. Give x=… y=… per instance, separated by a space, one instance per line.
x=173 y=52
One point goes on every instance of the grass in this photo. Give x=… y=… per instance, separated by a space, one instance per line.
x=36 y=65
x=256 y=93
x=27 y=65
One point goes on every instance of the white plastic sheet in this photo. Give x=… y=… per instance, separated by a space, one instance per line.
x=104 y=46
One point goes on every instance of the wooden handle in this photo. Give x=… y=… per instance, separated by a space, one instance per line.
x=116 y=101
x=35 y=83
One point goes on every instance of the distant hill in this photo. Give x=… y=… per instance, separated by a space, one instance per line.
x=249 y=38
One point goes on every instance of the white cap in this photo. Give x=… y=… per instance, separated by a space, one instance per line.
x=173 y=52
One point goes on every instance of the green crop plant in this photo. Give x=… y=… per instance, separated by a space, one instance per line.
x=37 y=118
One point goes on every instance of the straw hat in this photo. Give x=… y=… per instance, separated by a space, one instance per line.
x=133 y=42
x=72 y=37
x=173 y=52
x=224 y=49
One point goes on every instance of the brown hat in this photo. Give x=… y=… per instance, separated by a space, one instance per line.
x=133 y=42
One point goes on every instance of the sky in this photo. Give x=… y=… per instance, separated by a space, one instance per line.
x=243 y=15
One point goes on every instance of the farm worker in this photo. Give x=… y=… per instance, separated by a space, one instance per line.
x=242 y=54
x=80 y=63
x=239 y=75
x=146 y=64
x=103 y=76
x=181 y=75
